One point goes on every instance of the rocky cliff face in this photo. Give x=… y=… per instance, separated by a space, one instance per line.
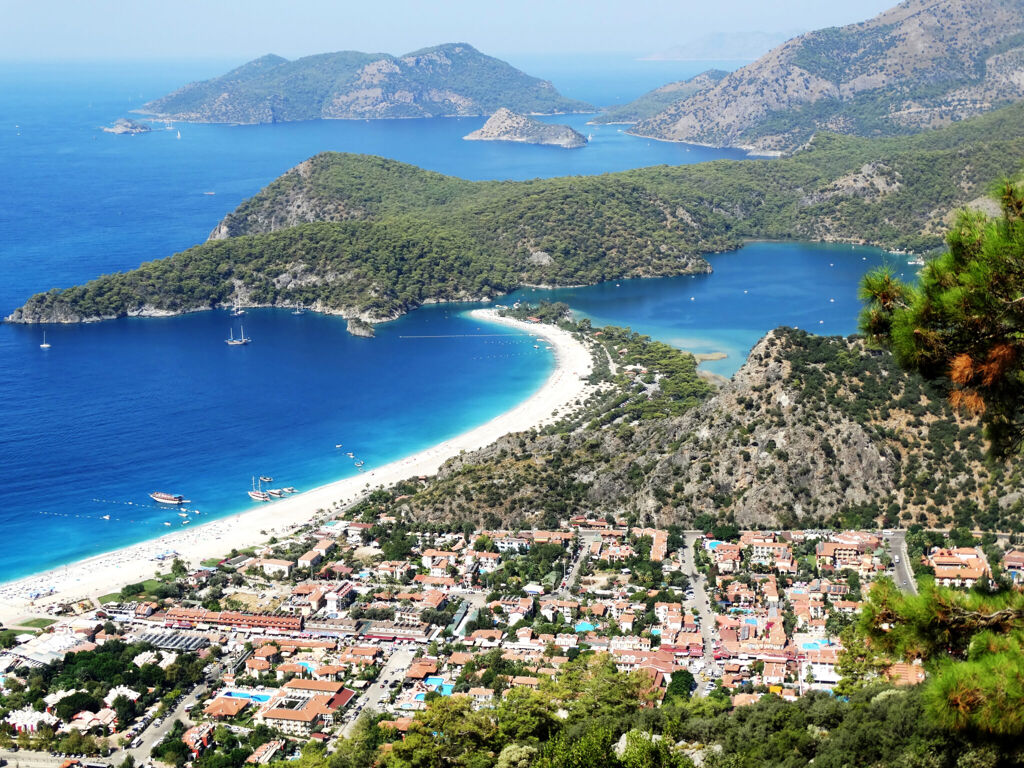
x=811 y=429
x=447 y=80
x=506 y=125
x=921 y=64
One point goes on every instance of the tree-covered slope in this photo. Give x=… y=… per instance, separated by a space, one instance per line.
x=452 y=79
x=375 y=238
x=655 y=101
x=811 y=431
x=921 y=64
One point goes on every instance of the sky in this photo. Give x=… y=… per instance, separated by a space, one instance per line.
x=244 y=29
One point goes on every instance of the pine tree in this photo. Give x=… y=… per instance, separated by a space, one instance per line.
x=964 y=324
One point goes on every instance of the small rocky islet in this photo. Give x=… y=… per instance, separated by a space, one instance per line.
x=506 y=125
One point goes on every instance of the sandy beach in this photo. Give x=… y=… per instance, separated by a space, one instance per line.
x=110 y=571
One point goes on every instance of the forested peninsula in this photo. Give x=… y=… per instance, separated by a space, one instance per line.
x=372 y=238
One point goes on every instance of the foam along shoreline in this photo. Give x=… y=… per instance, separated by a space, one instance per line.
x=109 y=572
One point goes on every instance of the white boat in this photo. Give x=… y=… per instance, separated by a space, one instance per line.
x=166 y=523
x=237 y=311
x=298 y=311
x=275 y=492
x=289 y=489
x=184 y=522
x=183 y=514
x=338 y=445
x=45 y=344
x=231 y=341
x=266 y=479
x=179 y=134
x=104 y=517
x=168 y=498
x=258 y=494
x=350 y=455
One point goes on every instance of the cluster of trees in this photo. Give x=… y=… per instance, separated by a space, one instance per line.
x=92 y=674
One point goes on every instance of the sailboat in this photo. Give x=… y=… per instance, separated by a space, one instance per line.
x=237 y=311
x=45 y=344
x=233 y=342
x=179 y=134
x=258 y=494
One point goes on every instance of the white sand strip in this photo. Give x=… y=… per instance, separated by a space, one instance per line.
x=109 y=572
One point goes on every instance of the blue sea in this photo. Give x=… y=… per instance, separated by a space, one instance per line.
x=113 y=411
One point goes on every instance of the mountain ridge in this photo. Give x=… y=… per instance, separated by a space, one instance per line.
x=921 y=64
x=454 y=79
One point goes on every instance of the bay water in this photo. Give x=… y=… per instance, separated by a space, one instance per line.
x=116 y=410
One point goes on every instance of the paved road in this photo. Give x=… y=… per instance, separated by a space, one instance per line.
x=904 y=575
x=586 y=539
x=395 y=667
x=701 y=603
x=152 y=735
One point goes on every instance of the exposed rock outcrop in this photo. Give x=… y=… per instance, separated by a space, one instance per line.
x=506 y=125
x=921 y=64
x=125 y=126
x=359 y=327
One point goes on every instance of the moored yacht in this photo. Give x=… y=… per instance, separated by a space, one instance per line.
x=233 y=342
x=258 y=494
x=168 y=498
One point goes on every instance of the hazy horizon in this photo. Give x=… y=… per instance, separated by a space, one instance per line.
x=66 y=30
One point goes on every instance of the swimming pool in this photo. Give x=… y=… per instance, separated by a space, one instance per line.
x=750 y=621
x=815 y=645
x=584 y=626
x=439 y=685
x=713 y=544
x=262 y=698
x=310 y=666
x=655 y=631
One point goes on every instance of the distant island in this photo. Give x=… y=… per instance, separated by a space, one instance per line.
x=506 y=125
x=919 y=65
x=444 y=81
x=124 y=125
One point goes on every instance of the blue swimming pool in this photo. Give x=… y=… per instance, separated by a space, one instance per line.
x=584 y=626
x=750 y=621
x=310 y=666
x=815 y=645
x=655 y=631
x=713 y=544
x=438 y=684
x=262 y=698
